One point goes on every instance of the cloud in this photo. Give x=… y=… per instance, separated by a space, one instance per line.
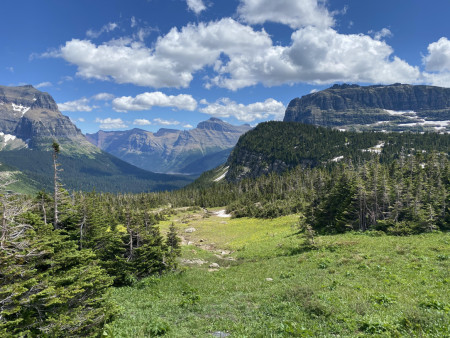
x=148 y=100
x=254 y=111
x=65 y=79
x=171 y=62
x=318 y=56
x=188 y=126
x=142 y=122
x=384 y=33
x=133 y=22
x=438 y=57
x=166 y=122
x=110 y=123
x=11 y=69
x=293 y=13
x=197 y=6
x=237 y=56
x=103 y=97
x=105 y=29
x=43 y=84
x=76 y=105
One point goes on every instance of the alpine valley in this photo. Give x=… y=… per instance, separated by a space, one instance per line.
x=30 y=121
x=173 y=151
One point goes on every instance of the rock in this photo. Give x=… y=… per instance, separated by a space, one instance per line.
x=201 y=240
x=269 y=279
x=214 y=265
x=190 y=230
x=194 y=261
x=212 y=270
x=220 y=334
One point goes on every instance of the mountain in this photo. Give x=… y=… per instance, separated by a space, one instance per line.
x=30 y=121
x=396 y=107
x=281 y=146
x=170 y=150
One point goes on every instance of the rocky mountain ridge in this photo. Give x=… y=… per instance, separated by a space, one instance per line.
x=396 y=107
x=30 y=118
x=30 y=121
x=171 y=150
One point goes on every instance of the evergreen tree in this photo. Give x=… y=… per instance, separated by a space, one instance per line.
x=173 y=244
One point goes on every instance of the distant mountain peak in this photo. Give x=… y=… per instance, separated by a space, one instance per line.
x=165 y=131
x=33 y=117
x=170 y=150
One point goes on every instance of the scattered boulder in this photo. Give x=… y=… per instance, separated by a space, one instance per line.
x=214 y=265
x=190 y=230
x=212 y=270
x=269 y=279
x=194 y=261
x=220 y=334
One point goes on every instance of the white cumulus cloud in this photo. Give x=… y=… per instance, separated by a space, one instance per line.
x=171 y=62
x=142 y=122
x=254 y=111
x=294 y=13
x=438 y=57
x=110 y=123
x=197 y=6
x=166 y=122
x=236 y=56
x=76 y=105
x=146 y=101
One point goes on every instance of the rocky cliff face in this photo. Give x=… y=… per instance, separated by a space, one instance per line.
x=30 y=118
x=394 y=107
x=171 y=150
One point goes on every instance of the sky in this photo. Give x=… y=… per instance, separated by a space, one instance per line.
x=151 y=64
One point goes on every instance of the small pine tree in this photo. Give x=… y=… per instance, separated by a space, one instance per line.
x=173 y=245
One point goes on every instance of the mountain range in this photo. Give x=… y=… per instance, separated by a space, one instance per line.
x=397 y=107
x=170 y=150
x=30 y=121
x=352 y=113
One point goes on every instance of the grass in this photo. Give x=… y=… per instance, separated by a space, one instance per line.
x=273 y=286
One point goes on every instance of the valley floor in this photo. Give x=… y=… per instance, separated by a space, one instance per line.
x=266 y=283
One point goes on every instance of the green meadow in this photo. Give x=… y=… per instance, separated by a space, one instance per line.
x=271 y=282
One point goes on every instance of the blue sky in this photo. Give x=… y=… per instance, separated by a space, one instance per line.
x=116 y=64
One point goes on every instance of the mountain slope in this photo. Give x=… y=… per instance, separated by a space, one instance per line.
x=30 y=121
x=170 y=150
x=394 y=107
x=280 y=146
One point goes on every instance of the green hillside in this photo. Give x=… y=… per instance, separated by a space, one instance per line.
x=100 y=172
x=280 y=146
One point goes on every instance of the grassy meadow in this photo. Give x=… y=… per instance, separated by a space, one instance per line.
x=270 y=284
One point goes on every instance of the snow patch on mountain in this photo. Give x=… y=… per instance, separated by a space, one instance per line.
x=20 y=108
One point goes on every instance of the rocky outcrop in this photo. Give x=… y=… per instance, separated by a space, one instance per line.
x=171 y=150
x=356 y=106
x=33 y=117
